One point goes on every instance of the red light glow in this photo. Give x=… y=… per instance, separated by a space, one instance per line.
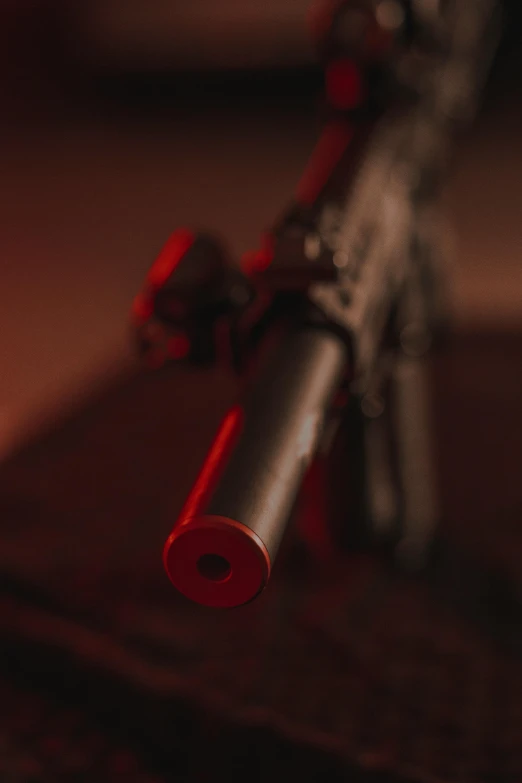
x=142 y=309
x=178 y=346
x=344 y=85
x=259 y=260
x=223 y=444
x=326 y=155
x=177 y=246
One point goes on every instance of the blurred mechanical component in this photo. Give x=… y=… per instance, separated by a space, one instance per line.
x=190 y=291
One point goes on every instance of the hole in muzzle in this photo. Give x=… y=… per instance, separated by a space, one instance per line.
x=215 y=568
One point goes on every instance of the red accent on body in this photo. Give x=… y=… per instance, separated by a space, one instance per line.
x=196 y=534
x=176 y=247
x=142 y=309
x=327 y=153
x=255 y=261
x=224 y=442
x=178 y=346
x=344 y=84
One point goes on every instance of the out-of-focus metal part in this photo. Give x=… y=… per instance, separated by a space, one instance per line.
x=368 y=235
x=427 y=312
x=473 y=31
x=382 y=497
x=381 y=493
x=420 y=319
x=413 y=427
x=362 y=499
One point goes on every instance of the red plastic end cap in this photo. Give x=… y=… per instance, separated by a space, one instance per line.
x=216 y=561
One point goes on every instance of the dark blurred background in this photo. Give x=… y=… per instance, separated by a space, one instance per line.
x=122 y=120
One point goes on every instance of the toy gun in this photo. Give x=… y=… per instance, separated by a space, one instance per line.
x=329 y=321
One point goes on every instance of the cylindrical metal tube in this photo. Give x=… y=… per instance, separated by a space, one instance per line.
x=222 y=548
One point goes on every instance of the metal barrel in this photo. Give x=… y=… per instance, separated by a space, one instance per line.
x=222 y=548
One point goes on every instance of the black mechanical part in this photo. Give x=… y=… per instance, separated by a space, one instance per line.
x=193 y=290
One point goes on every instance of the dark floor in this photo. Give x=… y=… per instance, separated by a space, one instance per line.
x=356 y=673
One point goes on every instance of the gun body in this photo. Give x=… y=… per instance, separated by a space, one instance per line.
x=345 y=292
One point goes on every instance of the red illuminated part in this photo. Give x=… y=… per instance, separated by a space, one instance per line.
x=177 y=245
x=178 y=346
x=259 y=260
x=327 y=153
x=256 y=261
x=220 y=450
x=214 y=560
x=264 y=258
x=153 y=341
x=142 y=309
x=344 y=84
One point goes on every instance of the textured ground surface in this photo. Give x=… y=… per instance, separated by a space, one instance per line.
x=328 y=676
